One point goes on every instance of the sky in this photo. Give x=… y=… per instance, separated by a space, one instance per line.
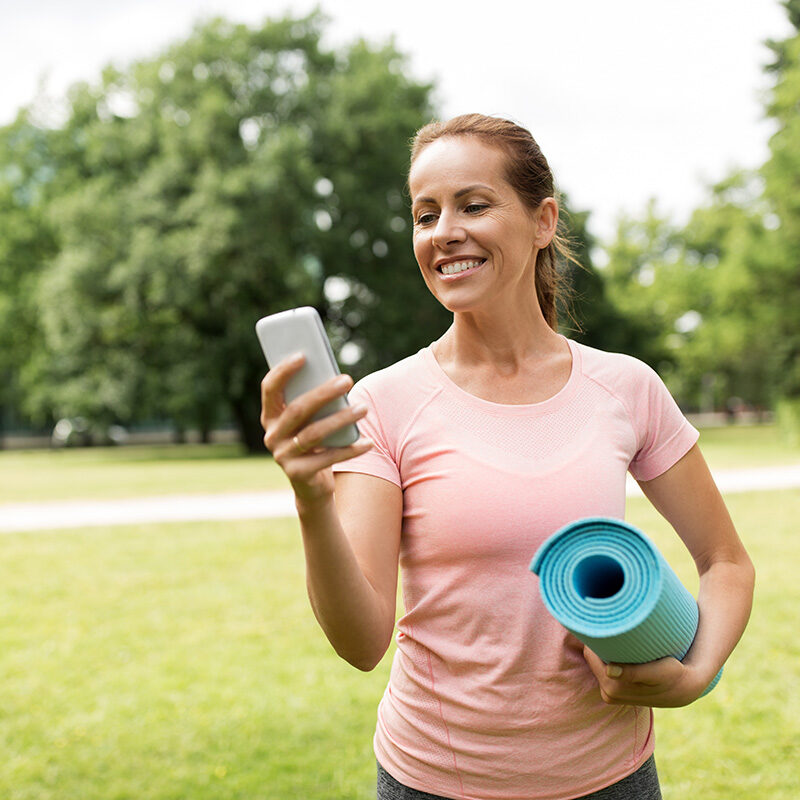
x=628 y=99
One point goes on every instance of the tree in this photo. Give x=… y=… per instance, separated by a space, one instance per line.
x=722 y=343
x=719 y=298
x=26 y=242
x=691 y=290
x=587 y=312
x=777 y=282
x=642 y=262
x=241 y=172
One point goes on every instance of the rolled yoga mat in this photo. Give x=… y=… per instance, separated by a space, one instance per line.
x=609 y=585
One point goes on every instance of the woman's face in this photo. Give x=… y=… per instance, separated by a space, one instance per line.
x=474 y=239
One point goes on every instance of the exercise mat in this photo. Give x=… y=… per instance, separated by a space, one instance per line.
x=609 y=585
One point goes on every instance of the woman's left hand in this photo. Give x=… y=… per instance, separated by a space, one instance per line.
x=687 y=497
x=665 y=683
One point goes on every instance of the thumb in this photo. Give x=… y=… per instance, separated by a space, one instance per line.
x=596 y=664
x=599 y=667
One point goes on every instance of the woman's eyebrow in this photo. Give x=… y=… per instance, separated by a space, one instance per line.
x=468 y=189
x=459 y=193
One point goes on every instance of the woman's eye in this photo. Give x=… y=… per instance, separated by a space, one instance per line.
x=425 y=219
x=474 y=208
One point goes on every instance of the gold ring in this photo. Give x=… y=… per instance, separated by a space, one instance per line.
x=297 y=444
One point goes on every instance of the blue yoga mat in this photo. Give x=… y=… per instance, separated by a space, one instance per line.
x=609 y=585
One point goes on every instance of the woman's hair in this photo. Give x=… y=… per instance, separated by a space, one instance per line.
x=529 y=174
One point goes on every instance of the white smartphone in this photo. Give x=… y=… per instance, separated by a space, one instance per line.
x=300 y=330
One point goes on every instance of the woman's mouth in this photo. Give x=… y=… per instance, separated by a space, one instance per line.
x=460 y=267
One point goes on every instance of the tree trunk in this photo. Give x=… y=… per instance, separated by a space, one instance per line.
x=246 y=413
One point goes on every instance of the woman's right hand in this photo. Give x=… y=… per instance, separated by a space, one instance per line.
x=295 y=441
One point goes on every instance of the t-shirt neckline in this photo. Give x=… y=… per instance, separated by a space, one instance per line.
x=562 y=396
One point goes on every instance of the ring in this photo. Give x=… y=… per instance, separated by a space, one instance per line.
x=300 y=449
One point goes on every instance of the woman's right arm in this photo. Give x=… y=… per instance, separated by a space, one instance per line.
x=351 y=536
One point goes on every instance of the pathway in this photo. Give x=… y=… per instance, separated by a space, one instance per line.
x=264 y=505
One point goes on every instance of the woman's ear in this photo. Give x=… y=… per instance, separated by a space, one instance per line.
x=546 y=222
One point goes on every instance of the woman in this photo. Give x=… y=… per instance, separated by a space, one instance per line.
x=480 y=446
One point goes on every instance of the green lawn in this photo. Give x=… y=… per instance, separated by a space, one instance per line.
x=108 y=472
x=173 y=661
x=183 y=661
x=743 y=739
x=747 y=446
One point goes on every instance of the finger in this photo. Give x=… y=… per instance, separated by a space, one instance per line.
x=653 y=673
x=654 y=683
x=609 y=680
x=596 y=664
x=640 y=695
x=304 y=467
x=274 y=382
x=314 y=435
x=311 y=439
x=297 y=414
x=609 y=676
x=290 y=419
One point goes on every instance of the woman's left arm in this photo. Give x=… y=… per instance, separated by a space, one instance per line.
x=688 y=498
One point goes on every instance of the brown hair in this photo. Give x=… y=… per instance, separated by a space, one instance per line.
x=529 y=174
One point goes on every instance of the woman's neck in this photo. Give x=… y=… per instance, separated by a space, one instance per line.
x=507 y=342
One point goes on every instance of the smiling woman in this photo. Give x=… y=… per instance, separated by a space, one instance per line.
x=522 y=167
x=479 y=447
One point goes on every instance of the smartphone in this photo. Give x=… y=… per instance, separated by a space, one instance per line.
x=300 y=330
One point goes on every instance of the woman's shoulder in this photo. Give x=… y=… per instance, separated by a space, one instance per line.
x=407 y=376
x=395 y=394
x=617 y=372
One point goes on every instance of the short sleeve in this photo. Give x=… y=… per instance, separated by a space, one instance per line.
x=663 y=433
x=379 y=461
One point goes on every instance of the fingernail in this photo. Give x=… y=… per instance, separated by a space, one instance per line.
x=613 y=671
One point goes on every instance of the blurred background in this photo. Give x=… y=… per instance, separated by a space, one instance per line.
x=171 y=171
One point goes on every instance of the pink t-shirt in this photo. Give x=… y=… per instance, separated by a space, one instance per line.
x=489 y=697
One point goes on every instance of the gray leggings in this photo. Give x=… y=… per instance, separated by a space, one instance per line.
x=640 y=785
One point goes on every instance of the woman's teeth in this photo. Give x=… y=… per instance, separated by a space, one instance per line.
x=460 y=266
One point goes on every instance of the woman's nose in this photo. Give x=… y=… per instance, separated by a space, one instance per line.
x=448 y=230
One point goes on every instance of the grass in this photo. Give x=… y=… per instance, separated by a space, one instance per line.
x=118 y=472
x=182 y=660
x=174 y=661
x=747 y=446
x=743 y=739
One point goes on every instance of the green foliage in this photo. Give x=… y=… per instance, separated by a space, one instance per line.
x=692 y=291
x=587 y=313
x=779 y=278
x=717 y=300
x=26 y=241
x=641 y=262
x=728 y=353
x=228 y=178
x=247 y=170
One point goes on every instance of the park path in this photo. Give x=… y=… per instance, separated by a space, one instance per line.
x=16 y=517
